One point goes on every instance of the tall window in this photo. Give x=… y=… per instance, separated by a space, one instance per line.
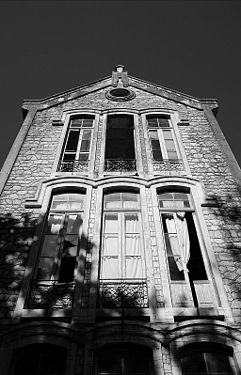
x=119 y=150
x=39 y=359
x=206 y=361
x=122 y=241
x=124 y=361
x=60 y=241
x=161 y=138
x=188 y=276
x=76 y=152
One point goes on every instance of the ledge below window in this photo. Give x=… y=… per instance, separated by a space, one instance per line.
x=73 y=166
x=168 y=165
x=50 y=294
x=120 y=165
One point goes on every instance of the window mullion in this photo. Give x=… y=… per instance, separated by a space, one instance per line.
x=122 y=245
x=162 y=143
x=206 y=363
x=60 y=250
x=79 y=145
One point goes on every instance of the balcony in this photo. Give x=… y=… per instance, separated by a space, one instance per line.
x=50 y=294
x=73 y=166
x=120 y=165
x=127 y=293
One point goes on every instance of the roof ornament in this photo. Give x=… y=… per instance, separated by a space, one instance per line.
x=120 y=77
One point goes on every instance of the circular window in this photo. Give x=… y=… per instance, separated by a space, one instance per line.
x=120 y=94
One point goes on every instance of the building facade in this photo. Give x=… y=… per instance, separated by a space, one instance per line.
x=120 y=236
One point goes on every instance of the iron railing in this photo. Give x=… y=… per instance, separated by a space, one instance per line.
x=120 y=165
x=50 y=294
x=123 y=293
x=73 y=166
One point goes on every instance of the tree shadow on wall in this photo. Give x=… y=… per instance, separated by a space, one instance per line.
x=16 y=237
x=229 y=213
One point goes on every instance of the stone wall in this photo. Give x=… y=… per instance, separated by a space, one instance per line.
x=35 y=161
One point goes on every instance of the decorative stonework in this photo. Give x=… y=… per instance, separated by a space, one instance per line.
x=98 y=149
x=120 y=94
x=143 y=145
x=168 y=165
x=154 y=252
x=89 y=245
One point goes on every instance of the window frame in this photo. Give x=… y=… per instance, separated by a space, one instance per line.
x=121 y=213
x=60 y=240
x=81 y=129
x=204 y=348
x=161 y=139
x=188 y=286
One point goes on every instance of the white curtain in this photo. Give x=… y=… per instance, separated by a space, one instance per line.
x=179 y=239
x=133 y=263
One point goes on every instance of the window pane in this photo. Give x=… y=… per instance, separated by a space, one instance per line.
x=45 y=268
x=153 y=134
x=163 y=122
x=85 y=145
x=170 y=145
x=110 y=246
x=70 y=245
x=133 y=268
x=54 y=223
x=87 y=134
x=74 y=222
x=172 y=155
x=111 y=224
x=133 y=244
x=167 y=134
x=66 y=273
x=110 y=268
x=69 y=157
x=88 y=122
x=131 y=224
x=76 y=122
x=152 y=122
x=218 y=363
x=112 y=200
x=83 y=157
x=60 y=206
x=72 y=142
x=194 y=364
x=50 y=246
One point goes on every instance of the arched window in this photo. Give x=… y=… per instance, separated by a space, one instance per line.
x=122 y=270
x=188 y=278
x=161 y=137
x=126 y=360
x=39 y=359
x=206 y=360
x=122 y=240
x=60 y=246
x=76 y=153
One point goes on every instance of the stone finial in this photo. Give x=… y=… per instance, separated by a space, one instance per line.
x=120 y=76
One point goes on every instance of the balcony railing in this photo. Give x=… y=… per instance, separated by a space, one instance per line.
x=123 y=293
x=120 y=165
x=50 y=294
x=73 y=166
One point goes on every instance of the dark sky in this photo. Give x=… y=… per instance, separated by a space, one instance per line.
x=52 y=46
